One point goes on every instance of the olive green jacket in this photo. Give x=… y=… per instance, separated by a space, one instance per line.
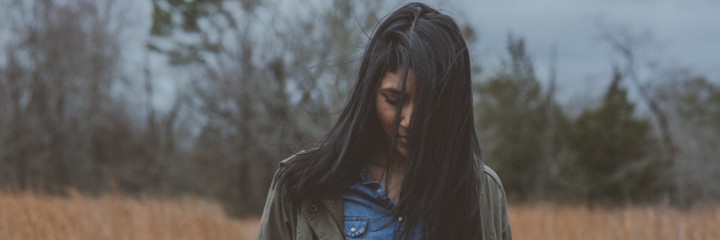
x=324 y=219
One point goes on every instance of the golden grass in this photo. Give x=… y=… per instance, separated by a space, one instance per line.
x=548 y=221
x=29 y=216
x=112 y=217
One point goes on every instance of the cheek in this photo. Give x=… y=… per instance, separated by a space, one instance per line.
x=386 y=113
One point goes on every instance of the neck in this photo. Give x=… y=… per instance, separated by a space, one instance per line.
x=377 y=168
x=381 y=161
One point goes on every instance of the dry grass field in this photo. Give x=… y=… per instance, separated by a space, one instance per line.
x=112 y=217
x=28 y=216
x=548 y=221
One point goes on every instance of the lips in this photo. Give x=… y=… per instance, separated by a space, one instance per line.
x=403 y=140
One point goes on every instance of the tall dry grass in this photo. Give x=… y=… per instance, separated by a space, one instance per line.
x=549 y=221
x=28 y=216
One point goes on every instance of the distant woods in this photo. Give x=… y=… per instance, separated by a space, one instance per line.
x=253 y=81
x=610 y=153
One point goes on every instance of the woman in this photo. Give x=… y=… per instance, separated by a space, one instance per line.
x=402 y=162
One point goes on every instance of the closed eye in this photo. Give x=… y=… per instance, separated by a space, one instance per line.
x=392 y=95
x=391 y=101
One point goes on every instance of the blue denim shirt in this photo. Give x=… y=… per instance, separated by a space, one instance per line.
x=367 y=209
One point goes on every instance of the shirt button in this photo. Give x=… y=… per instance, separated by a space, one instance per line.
x=362 y=169
x=353 y=229
x=378 y=191
x=400 y=219
x=313 y=208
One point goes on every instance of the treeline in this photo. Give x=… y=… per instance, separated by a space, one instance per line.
x=255 y=80
x=610 y=153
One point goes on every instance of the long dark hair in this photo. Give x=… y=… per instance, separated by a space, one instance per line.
x=440 y=192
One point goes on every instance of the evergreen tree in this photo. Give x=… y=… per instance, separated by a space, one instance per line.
x=616 y=155
x=511 y=122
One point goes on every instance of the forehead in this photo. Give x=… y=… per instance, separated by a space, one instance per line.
x=392 y=80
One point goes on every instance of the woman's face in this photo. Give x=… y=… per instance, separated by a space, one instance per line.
x=386 y=99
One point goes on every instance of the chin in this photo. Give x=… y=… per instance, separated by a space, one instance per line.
x=402 y=151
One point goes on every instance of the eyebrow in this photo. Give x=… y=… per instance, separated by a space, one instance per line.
x=392 y=90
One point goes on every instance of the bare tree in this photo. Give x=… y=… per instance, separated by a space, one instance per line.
x=693 y=106
x=628 y=45
x=260 y=84
x=680 y=104
x=59 y=69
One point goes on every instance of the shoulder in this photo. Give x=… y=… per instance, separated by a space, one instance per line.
x=493 y=205
x=290 y=159
x=492 y=188
x=489 y=174
x=286 y=161
x=289 y=166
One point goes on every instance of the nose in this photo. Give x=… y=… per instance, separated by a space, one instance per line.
x=406 y=114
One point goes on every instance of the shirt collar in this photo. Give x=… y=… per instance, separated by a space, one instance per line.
x=365 y=176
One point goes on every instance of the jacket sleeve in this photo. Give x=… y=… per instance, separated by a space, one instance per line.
x=502 y=215
x=497 y=223
x=277 y=218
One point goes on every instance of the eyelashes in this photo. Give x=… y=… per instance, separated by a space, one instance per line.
x=391 y=101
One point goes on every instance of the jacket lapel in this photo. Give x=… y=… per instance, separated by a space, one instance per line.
x=335 y=206
x=325 y=217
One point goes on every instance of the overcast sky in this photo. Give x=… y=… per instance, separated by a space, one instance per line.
x=685 y=34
